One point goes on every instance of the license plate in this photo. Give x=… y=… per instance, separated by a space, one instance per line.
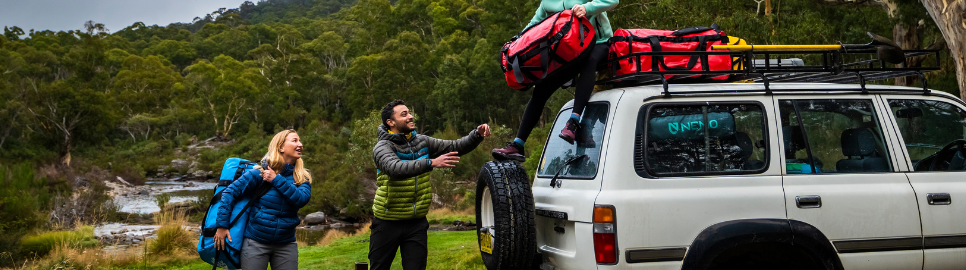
x=486 y=242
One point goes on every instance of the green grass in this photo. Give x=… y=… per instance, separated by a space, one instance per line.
x=447 y=250
x=40 y=245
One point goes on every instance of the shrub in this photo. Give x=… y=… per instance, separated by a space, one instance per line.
x=468 y=201
x=172 y=236
x=335 y=234
x=162 y=199
x=42 y=244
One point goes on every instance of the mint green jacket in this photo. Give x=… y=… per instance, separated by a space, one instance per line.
x=596 y=12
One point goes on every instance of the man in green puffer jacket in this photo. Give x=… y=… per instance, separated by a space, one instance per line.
x=404 y=160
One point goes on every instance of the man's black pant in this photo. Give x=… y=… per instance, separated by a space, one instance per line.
x=389 y=235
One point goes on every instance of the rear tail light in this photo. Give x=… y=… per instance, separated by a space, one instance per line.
x=605 y=234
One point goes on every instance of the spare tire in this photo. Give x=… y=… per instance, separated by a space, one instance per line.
x=504 y=214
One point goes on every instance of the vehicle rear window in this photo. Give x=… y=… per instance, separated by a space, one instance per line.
x=558 y=152
x=701 y=139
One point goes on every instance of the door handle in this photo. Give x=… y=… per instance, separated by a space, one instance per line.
x=809 y=201
x=939 y=199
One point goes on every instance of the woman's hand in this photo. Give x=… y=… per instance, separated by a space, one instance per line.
x=579 y=10
x=220 y=236
x=268 y=174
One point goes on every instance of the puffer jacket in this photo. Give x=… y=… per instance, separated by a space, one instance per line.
x=273 y=218
x=596 y=13
x=403 y=166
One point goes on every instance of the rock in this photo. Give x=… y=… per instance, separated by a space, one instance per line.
x=176 y=178
x=123 y=231
x=356 y=225
x=469 y=224
x=337 y=225
x=182 y=206
x=315 y=218
x=437 y=201
x=457 y=222
x=196 y=173
x=144 y=192
x=179 y=164
x=199 y=174
x=190 y=184
x=316 y=228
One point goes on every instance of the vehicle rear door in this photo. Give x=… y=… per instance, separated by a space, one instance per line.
x=564 y=210
x=841 y=177
x=931 y=132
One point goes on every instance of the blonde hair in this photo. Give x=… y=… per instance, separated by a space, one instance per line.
x=275 y=160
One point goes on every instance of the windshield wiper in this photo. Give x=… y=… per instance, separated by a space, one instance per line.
x=554 y=181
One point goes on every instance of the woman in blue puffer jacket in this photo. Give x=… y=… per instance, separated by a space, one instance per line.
x=270 y=235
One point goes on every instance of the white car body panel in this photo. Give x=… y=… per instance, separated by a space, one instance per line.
x=670 y=212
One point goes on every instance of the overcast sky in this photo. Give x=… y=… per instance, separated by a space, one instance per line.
x=63 y=15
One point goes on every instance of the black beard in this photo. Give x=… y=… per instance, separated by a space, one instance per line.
x=404 y=129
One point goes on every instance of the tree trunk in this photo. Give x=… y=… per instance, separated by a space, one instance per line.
x=950 y=17
x=768 y=8
x=907 y=38
x=65 y=154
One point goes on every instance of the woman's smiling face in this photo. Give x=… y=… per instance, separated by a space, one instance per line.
x=291 y=149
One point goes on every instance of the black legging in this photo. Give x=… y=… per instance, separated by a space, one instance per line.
x=587 y=72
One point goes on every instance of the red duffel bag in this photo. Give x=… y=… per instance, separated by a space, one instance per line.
x=696 y=39
x=543 y=48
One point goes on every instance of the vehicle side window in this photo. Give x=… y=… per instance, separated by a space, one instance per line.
x=933 y=133
x=584 y=154
x=702 y=139
x=832 y=136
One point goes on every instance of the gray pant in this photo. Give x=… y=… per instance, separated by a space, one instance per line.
x=256 y=255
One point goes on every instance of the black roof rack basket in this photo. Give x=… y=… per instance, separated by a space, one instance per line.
x=838 y=66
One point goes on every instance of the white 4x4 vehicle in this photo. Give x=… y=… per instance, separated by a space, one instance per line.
x=739 y=176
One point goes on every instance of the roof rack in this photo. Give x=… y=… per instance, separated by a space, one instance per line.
x=837 y=66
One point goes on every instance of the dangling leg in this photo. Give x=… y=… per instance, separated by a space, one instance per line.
x=531 y=115
x=584 y=88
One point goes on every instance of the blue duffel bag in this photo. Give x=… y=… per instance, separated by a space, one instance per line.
x=229 y=258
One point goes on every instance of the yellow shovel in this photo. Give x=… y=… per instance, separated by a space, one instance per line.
x=885 y=49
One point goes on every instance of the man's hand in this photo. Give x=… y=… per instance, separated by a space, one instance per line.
x=447 y=160
x=219 y=238
x=268 y=174
x=579 y=10
x=483 y=130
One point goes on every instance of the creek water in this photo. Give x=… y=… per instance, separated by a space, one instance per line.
x=180 y=191
x=141 y=200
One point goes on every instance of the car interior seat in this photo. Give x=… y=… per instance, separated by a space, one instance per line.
x=859 y=147
x=747 y=149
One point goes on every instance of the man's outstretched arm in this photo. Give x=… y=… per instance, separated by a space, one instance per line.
x=462 y=146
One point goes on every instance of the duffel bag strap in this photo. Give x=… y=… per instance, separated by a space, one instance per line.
x=515 y=65
x=544 y=59
x=657 y=61
x=214 y=264
x=581 y=28
x=263 y=188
